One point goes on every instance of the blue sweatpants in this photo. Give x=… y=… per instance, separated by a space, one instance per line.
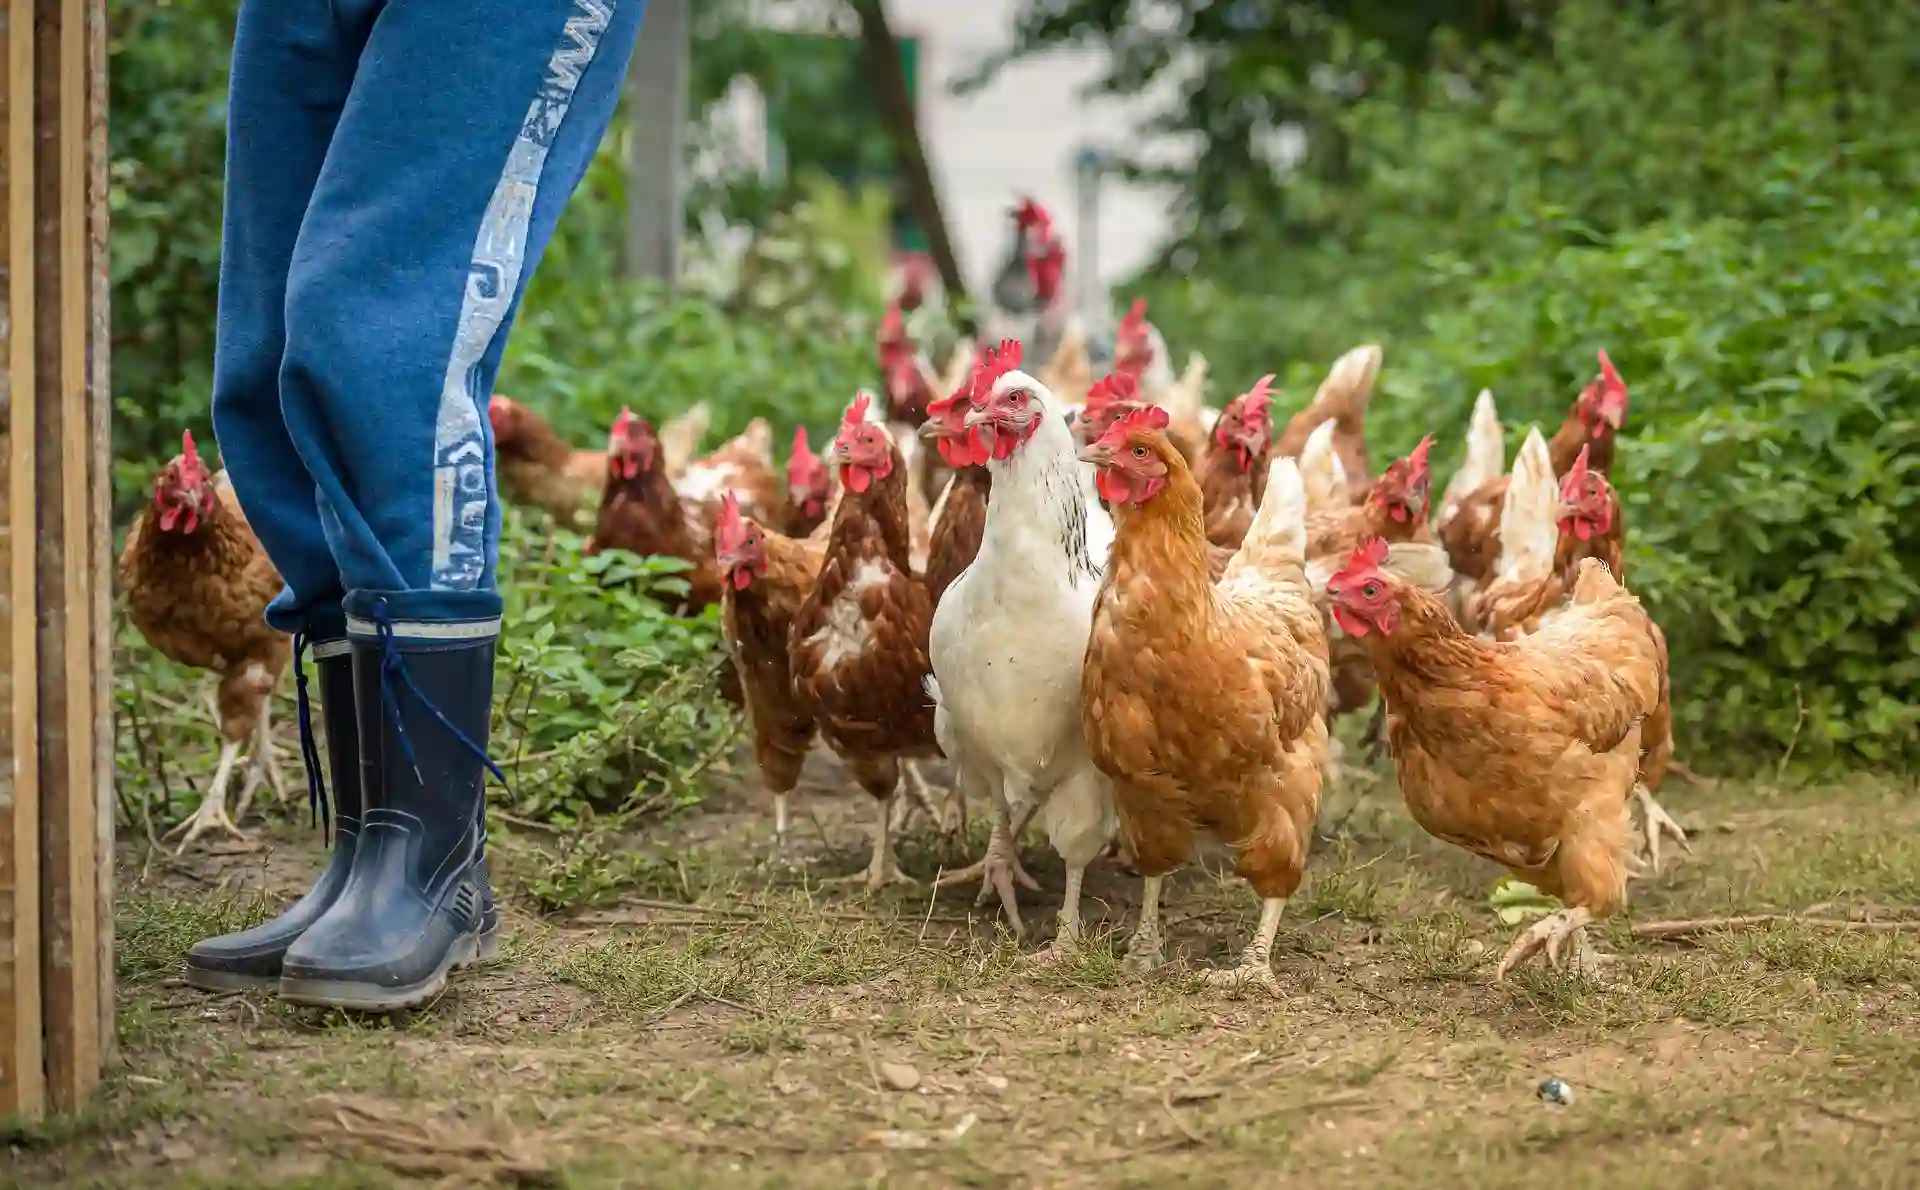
x=395 y=169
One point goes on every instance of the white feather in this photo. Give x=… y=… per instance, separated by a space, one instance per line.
x=1486 y=455
x=1527 y=530
x=1321 y=472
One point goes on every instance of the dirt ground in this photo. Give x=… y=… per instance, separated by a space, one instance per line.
x=734 y=1023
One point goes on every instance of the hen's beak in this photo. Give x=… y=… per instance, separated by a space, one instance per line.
x=1565 y=512
x=978 y=417
x=837 y=455
x=1094 y=453
x=932 y=429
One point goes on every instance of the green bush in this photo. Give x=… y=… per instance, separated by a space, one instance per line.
x=1702 y=195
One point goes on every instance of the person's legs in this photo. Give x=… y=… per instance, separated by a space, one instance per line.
x=293 y=64
x=468 y=126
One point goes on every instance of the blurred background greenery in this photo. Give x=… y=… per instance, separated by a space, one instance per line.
x=1721 y=195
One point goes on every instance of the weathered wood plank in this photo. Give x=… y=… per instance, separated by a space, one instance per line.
x=22 y=1079
x=100 y=507
x=70 y=911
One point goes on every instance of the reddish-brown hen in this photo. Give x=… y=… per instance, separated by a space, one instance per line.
x=537 y=467
x=642 y=514
x=1525 y=753
x=960 y=515
x=858 y=644
x=1587 y=521
x=809 y=488
x=1205 y=703
x=197 y=585
x=766 y=577
x=1233 y=468
x=1472 y=533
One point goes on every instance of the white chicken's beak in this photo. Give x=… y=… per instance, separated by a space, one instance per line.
x=978 y=417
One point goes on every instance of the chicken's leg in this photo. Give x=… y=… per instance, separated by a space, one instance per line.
x=1066 y=939
x=211 y=814
x=1143 y=949
x=1000 y=868
x=1658 y=823
x=1256 y=962
x=1554 y=932
x=261 y=766
x=883 y=869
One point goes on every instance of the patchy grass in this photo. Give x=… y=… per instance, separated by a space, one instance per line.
x=708 y=1019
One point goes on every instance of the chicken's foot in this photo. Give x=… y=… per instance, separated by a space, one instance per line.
x=1143 y=949
x=1377 y=731
x=884 y=868
x=1555 y=933
x=999 y=870
x=1256 y=961
x=1658 y=823
x=211 y=814
x=1066 y=938
x=919 y=799
x=782 y=832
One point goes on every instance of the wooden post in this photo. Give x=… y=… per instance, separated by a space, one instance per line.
x=23 y=1086
x=56 y=852
x=656 y=138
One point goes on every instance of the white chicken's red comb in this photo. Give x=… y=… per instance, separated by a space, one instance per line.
x=997 y=362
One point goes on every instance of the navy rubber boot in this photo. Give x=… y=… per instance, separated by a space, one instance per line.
x=417 y=904
x=251 y=958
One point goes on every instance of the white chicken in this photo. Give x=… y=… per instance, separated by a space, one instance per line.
x=1010 y=636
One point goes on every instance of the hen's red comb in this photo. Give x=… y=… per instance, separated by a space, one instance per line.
x=1609 y=373
x=625 y=421
x=891 y=324
x=997 y=362
x=1030 y=213
x=1370 y=554
x=1418 y=467
x=1114 y=386
x=857 y=412
x=1260 y=395
x=187 y=448
x=1147 y=417
x=729 y=531
x=800 y=448
x=1570 y=487
x=1136 y=319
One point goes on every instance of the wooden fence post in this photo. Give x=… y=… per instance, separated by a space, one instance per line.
x=56 y=843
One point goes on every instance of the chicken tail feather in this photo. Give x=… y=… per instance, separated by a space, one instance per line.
x=1276 y=541
x=1322 y=472
x=1527 y=529
x=1486 y=451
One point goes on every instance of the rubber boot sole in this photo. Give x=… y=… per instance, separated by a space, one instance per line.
x=372 y=997
x=227 y=981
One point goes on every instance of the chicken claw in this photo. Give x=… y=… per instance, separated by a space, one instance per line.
x=1066 y=940
x=1143 y=949
x=1658 y=823
x=883 y=869
x=211 y=815
x=998 y=871
x=1256 y=961
x=1554 y=932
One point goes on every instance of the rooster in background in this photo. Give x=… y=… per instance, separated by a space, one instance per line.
x=197 y=585
x=1010 y=635
x=907 y=377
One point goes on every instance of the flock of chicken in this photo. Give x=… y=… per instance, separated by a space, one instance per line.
x=1111 y=608
x=1134 y=618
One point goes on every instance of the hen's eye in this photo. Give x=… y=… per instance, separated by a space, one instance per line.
x=1371 y=590
x=1018 y=400
x=1139 y=452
